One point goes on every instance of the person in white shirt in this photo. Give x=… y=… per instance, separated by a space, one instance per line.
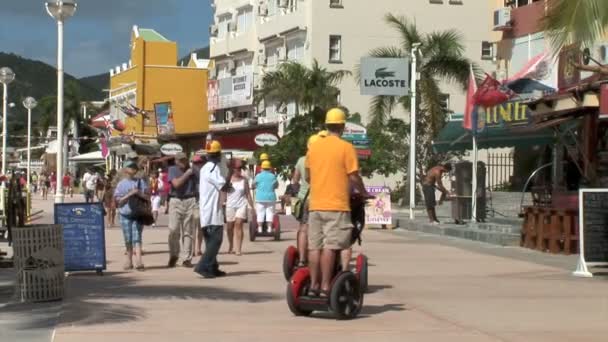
x=211 y=183
x=89 y=182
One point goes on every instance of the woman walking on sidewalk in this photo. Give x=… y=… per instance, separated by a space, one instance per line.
x=238 y=196
x=131 y=228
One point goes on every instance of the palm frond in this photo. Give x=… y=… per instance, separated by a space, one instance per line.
x=443 y=43
x=449 y=68
x=381 y=108
x=430 y=98
x=579 y=21
x=408 y=30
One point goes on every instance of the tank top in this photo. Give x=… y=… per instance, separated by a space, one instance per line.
x=236 y=197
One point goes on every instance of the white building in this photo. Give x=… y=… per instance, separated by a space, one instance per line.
x=250 y=37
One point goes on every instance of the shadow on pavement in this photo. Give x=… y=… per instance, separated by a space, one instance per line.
x=379 y=309
x=257 y=252
x=377 y=288
x=243 y=273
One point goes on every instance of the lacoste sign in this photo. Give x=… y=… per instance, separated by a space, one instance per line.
x=384 y=76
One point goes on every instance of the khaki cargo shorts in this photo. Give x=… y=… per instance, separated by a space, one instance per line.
x=329 y=229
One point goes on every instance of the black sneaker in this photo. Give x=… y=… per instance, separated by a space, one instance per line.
x=206 y=275
x=172 y=262
x=187 y=264
x=219 y=273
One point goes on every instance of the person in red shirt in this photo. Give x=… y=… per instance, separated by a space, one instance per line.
x=67 y=184
x=166 y=188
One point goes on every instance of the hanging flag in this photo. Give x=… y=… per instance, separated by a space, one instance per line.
x=469 y=111
x=532 y=67
x=104 y=146
x=491 y=93
x=129 y=111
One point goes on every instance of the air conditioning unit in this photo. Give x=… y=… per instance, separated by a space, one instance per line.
x=283 y=3
x=502 y=19
x=282 y=53
x=263 y=10
x=213 y=30
x=261 y=59
x=232 y=26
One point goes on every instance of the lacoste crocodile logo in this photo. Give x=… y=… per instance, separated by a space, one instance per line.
x=382 y=73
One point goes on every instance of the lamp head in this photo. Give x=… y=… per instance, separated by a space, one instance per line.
x=6 y=75
x=61 y=9
x=30 y=102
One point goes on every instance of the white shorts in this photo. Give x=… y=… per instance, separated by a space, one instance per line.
x=264 y=211
x=155 y=202
x=236 y=213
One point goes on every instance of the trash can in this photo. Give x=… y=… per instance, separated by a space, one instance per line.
x=462 y=187
x=38 y=260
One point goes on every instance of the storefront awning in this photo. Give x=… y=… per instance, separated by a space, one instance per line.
x=453 y=137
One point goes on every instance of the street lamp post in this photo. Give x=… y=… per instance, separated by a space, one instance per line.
x=412 y=166
x=6 y=76
x=60 y=10
x=29 y=103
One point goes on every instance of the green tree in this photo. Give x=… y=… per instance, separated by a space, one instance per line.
x=580 y=21
x=306 y=87
x=441 y=60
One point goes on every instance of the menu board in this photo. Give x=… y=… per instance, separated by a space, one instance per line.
x=593 y=230
x=83 y=236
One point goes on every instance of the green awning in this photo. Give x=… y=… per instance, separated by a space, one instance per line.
x=453 y=137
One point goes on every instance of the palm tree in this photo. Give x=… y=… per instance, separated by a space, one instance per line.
x=306 y=87
x=71 y=109
x=442 y=59
x=581 y=21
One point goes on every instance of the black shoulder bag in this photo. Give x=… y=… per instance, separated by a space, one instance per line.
x=141 y=208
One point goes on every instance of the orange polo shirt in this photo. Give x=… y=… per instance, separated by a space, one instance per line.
x=330 y=161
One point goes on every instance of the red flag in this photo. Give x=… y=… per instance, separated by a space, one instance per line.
x=490 y=93
x=467 y=123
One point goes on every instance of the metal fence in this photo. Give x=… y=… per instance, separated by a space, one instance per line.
x=499 y=171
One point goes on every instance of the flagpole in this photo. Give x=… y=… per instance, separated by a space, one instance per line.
x=474 y=181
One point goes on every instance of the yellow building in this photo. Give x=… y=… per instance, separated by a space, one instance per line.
x=173 y=97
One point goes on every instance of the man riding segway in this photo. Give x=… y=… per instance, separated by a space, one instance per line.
x=331 y=169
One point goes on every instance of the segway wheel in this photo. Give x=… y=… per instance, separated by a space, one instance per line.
x=290 y=260
x=276 y=225
x=291 y=301
x=361 y=269
x=346 y=297
x=253 y=229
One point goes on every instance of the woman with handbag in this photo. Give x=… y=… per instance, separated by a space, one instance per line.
x=133 y=204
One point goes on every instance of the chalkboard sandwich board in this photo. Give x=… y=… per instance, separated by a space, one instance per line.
x=593 y=230
x=83 y=236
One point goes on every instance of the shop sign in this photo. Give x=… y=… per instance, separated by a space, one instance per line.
x=510 y=113
x=353 y=129
x=171 y=149
x=212 y=95
x=233 y=92
x=384 y=76
x=378 y=210
x=164 y=118
x=568 y=75
x=266 y=139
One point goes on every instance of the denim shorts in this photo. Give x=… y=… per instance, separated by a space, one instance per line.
x=131 y=230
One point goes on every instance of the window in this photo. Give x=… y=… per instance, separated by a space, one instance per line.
x=487 y=50
x=222 y=26
x=272 y=55
x=295 y=48
x=335 y=4
x=244 y=19
x=223 y=71
x=335 y=49
x=445 y=101
x=243 y=66
x=272 y=7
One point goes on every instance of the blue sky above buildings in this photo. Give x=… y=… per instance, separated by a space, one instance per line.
x=97 y=38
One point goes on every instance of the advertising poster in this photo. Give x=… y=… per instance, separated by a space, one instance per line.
x=164 y=118
x=212 y=95
x=378 y=210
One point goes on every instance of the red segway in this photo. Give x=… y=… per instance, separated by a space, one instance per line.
x=345 y=299
x=291 y=257
x=274 y=231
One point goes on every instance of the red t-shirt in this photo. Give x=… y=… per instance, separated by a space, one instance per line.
x=66 y=180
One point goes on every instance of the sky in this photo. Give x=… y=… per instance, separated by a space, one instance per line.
x=97 y=38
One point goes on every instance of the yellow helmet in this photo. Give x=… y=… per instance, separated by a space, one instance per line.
x=335 y=116
x=266 y=165
x=323 y=133
x=314 y=138
x=264 y=156
x=213 y=147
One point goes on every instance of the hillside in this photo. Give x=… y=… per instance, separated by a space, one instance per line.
x=38 y=79
x=101 y=81
x=202 y=53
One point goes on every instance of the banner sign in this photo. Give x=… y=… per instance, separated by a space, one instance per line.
x=171 y=149
x=230 y=92
x=164 y=118
x=508 y=113
x=378 y=210
x=213 y=93
x=266 y=139
x=384 y=76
